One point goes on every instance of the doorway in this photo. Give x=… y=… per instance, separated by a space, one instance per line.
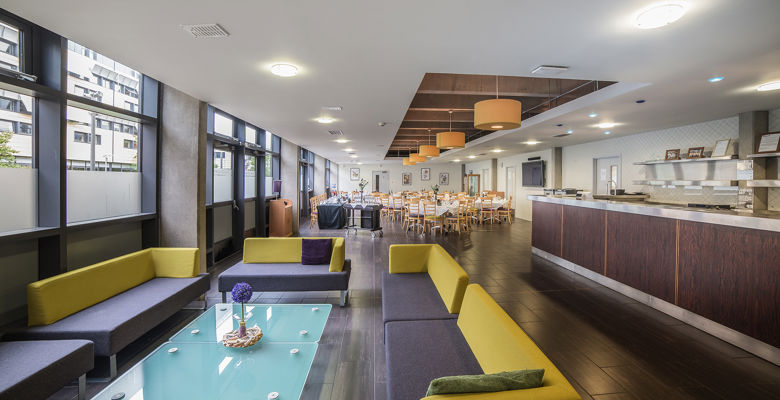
x=380 y=181
x=472 y=184
x=606 y=174
x=511 y=176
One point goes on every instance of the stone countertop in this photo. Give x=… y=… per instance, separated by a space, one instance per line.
x=750 y=219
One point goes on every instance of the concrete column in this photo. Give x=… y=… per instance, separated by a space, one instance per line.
x=556 y=161
x=494 y=174
x=289 y=174
x=319 y=175
x=183 y=172
x=752 y=125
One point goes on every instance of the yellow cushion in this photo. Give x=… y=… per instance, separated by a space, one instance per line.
x=52 y=299
x=272 y=250
x=288 y=250
x=448 y=276
x=409 y=258
x=338 y=255
x=500 y=345
x=175 y=262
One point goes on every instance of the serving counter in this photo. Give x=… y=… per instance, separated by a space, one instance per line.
x=718 y=270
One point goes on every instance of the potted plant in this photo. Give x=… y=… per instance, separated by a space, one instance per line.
x=362 y=185
x=435 y=189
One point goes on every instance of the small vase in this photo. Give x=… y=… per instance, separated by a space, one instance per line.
x=241 y=328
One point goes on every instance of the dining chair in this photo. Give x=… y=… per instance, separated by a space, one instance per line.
x=432 y=221
x=398 y=209
x=386 y=207
x=505 y=213
x=486 y=210
x=458 y=220
x=413 y=217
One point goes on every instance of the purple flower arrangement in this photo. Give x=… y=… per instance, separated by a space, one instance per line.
x=241 y=293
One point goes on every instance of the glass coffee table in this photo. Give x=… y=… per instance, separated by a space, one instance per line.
x=197 y=365
x=279 y=322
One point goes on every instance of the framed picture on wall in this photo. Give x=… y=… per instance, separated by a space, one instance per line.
x=696 y=152
x=425 y=174
x=354 y=174
x=672 y=154
x=721 y=148
x=444 y=179
x=769 y=143
x=406 y=178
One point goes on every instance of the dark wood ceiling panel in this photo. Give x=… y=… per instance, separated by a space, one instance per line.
x=428 y=112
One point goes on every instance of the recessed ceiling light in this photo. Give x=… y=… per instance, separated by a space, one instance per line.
x=768 y=86
x=496 y=126
x=496 y=150
x=359 y=163
x=593 y=115
x=456 y=160
x=570 y=131
x=606 y=125
x=715 y=79
x=342 y=141
x=353 y=156
x=607 y=132
x=472 y=157
x=324 y=120
x=349 y=149
x=284 y=70
x=659 y=15
x=532 y=142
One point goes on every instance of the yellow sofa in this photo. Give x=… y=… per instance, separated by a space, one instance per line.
x=274 y=264
x=114 y=302
x=483 y=334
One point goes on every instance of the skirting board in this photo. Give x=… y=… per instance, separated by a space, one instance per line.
x=747 y=343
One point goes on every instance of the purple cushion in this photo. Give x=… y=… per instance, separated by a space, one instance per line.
x=316 y=251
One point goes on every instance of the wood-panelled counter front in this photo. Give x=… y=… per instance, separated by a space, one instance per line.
x=717 y=270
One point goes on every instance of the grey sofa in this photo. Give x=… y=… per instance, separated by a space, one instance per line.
x=286 y=277
x=274 y=265
x=155 y=284
x=38 y=369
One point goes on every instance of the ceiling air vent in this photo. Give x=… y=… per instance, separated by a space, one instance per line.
x=336 y=132
x=549 y=70
x=562 y=135
x=205 y=30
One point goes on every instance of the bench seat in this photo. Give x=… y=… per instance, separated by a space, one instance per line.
x=38 y=369
x=283 y=277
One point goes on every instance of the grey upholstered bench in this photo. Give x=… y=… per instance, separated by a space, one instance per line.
x=37 y=369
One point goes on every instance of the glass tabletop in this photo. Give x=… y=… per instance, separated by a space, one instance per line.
x=279 y=322
x=213 y=371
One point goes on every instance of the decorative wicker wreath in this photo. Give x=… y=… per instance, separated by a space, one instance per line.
x=253 y=336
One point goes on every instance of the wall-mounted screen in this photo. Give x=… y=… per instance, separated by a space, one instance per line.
x=533 y=173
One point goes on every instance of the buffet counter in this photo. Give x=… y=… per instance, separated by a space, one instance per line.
x=718 y=270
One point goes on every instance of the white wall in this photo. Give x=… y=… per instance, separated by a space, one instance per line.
x=520 y=202
x=319 y=175
x=395 y=169
x=478 y=168
x=578 y=159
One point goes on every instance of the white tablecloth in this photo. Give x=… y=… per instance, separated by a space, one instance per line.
x=496 y=203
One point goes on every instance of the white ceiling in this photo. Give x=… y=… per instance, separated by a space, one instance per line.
x=369 y=57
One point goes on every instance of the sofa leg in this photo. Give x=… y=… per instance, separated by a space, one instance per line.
x=224 y=297
x=343 y=300
x=112 y=366
x=83 y=387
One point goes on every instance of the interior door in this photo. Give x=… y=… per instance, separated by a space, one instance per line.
x=472 y=184
x=606 y=174
x=381 y=181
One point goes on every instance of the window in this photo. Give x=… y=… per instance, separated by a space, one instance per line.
x=9 y=47
x=83 y=137
x=223 y=125
x=121 y=151
x=15 y=130
x=223 y=175
x=250 y=177
x=250 y=134
x=101 y=79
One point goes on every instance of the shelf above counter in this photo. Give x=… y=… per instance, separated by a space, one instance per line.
x=687 y=160
x=767 y=183
x=704 y=183
x=762 y=155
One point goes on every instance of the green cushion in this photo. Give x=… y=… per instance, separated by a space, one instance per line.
x=507 y=380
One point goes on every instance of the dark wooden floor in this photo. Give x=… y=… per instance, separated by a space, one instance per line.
x=608 y=345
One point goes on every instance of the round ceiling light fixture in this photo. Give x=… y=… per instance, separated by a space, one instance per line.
x=324 y=120
x=506 y=113
x=606 y=125
x=450 y=140
x=715 y=79
x=342 y=141
x=607 y=132
x=429 y=150
x=472 y=157
x=766 y=87
x=659 y=15
x=592 y=115
x=284 y=70
x=532 y=142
